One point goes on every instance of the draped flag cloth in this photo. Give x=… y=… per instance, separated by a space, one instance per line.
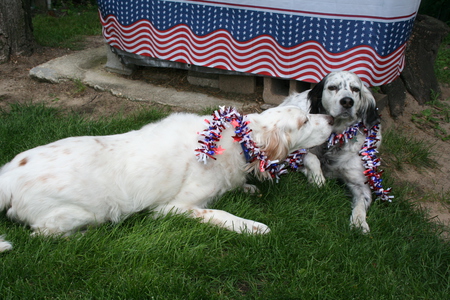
x=292 y=39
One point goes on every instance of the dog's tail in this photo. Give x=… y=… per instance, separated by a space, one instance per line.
x=5 y=202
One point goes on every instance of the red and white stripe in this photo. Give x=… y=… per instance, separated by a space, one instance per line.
x=262 y=55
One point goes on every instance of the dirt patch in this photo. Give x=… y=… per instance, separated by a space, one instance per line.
x=431 y=187
x=17 y=86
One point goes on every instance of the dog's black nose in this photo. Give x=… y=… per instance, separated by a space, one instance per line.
x=330 y=120
x=346 y=102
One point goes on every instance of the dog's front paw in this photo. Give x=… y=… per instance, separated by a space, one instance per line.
x=250 y=189
x=317 y=179
x=260 y=228
x=359 y=222
x=5 y=245
x=254 y=228
x=312 y=169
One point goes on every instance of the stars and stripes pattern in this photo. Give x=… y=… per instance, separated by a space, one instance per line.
x=278 y=42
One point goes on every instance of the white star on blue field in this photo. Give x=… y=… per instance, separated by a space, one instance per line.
x=335 y=34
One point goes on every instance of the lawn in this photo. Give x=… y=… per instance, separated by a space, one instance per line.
x=311 y=253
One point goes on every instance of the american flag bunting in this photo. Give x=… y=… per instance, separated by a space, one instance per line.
x=302 y=40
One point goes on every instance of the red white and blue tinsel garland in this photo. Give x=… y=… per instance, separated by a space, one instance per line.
x=295 y=159
x=212 y=134
x=371 y=163
x=221 y=119
x=368 y=155
x=345 y=136
x=228 y=115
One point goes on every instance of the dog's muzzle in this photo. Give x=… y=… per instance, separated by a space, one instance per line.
x=347 y=102
x=346 y=108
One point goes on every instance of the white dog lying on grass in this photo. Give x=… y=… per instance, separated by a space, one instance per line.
x=67 y=185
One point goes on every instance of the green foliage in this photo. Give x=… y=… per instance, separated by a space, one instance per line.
x=79 y=86
x=401 y=149
x=208 y=110
x=376 y=89
x=436 y=116
x=438 y=9
x=26 y=126
x=442 y=63
x=311 y=253
x=67 y=30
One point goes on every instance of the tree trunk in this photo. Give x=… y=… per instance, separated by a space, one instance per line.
x=16 y=29
x=418 y=75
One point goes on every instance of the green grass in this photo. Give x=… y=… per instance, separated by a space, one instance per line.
x=442 y=63
x=434 y=116
x=25 y=126
x=401 y=149
x=311 y=253
x=68 y=30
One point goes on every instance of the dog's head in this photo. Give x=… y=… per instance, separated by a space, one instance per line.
x=281 y=130
x=344 y=96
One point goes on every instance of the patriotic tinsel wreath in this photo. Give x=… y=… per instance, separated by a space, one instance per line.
x=225 y=116
x=368 y=155
x=221 y=119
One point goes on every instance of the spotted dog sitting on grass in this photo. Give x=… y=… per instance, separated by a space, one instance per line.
x=350 y=151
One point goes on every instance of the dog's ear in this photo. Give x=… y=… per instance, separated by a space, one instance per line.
x=276 y=144
x=371 y=117
x=271 y=135
x=368 y=111
x=315 y=98
x=272 y=139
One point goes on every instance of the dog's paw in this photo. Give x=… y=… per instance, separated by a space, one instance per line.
x=5 y=245
x=250 y=189
x=254 y=228
x=318 y=179
x=359 y=223
x=312 y=169
x=260 y=228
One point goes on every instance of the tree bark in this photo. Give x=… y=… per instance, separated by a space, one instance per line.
x=396 y=93
x=16 y=29
x=418 y=76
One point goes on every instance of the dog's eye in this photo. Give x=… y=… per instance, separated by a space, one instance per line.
x=355 y=89
x=332 y=87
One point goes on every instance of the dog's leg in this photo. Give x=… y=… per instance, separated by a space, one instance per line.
x=250 y=188
x=217 y=217
x=313 y=170
x=229 y=221
x=63 y=221
x=352 y=174
x=362 y=199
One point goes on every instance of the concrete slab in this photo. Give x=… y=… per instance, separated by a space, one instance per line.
x=237 y=84
x=88 y=67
